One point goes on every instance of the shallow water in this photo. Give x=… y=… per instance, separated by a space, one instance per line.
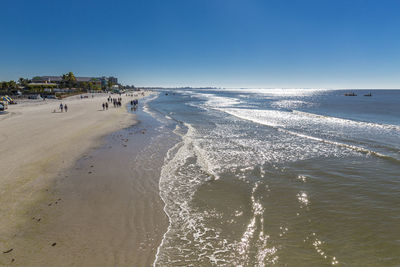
x=290 y=177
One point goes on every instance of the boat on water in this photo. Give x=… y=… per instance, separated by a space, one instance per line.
x=350 y=94
x=368 y=94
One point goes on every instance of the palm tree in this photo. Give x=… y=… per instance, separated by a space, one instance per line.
x=12 y=84
x=71 y=77
x=23 y=82
x=68 y=79
x=4 y=86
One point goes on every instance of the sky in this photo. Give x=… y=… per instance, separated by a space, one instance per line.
x=221 y=43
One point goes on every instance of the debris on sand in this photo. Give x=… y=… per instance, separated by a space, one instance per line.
x=8 y=251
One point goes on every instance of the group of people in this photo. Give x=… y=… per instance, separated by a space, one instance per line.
x=134 y=102
x=117 y=102
x=63 y=107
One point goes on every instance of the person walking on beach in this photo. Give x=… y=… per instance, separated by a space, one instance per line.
x=104 y=106
x=66 y=107
x=61 y=107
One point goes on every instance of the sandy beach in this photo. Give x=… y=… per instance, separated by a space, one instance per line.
x=67 y=197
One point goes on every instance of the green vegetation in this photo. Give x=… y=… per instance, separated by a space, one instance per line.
x=37 y=89
x=68 y=82
x=8 y=87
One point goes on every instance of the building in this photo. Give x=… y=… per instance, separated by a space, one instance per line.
x=103 y=81
x=113 y=80
x=47 y=79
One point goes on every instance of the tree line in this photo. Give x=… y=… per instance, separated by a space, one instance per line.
x=68 y=81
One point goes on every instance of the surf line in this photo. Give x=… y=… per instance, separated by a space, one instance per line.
x=170 y=156
x=352 y=147
x=343 y=120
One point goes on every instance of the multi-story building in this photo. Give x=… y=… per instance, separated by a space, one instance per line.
x=58 y=79
x=113 y=80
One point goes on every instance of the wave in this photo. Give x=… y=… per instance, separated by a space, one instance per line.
x=291 y=104
x=283 y=122
x=189 y=237
x=147 y=100
x=348 y=121
x=231 y=146
x=280 y=91
x=217 y=101
x=168 y=158
x=178 y=182
x=352 y=147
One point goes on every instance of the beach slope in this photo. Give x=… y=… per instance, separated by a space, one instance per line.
x=38 y=145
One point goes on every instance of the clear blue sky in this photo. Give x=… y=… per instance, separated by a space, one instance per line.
x=231 y=43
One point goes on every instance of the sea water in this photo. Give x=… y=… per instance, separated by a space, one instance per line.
x=296 y=177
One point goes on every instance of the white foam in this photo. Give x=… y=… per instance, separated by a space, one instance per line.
x=304 y=125
x=176 y=190
x=347 y=122
x=291 y=104
x=228 y=147
x=178 y=183
x=146 y=104
x=265 y=253
x=214 y=101
x=279 y=91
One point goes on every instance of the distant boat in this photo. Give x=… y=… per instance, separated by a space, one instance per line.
x=350 y=94
x=368 y=94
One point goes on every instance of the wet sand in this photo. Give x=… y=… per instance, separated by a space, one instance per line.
x=101 y=210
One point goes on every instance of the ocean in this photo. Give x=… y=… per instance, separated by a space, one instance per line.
x=295 y=177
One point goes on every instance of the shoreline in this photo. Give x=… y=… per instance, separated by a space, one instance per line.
x=31 y=185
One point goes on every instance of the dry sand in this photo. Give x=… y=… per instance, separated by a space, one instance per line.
x=54 y=216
